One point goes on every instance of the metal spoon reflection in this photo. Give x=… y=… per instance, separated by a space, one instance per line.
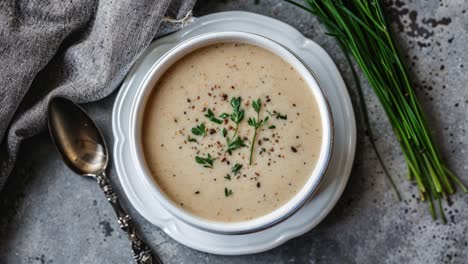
x=84 y=150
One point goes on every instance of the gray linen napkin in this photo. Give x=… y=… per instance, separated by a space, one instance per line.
x=78 y=49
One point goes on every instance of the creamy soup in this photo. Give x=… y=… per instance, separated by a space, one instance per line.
x=194 y=151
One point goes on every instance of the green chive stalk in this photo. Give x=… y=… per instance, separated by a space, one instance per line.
x=362 y=31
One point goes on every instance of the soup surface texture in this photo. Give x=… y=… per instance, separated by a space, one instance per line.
x=189 y=115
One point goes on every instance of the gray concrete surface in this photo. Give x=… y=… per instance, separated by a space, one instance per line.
x=49 y=215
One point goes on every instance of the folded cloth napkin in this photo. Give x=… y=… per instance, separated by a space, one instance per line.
x=78 y=49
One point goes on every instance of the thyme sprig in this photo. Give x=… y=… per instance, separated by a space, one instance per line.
x=278 y=115
x=237 y=113
x=227 y=192
x=236 y=168
x=199 y=130
x=256 y=123
x=234 y=144
x=206 y=162
x=211 y=116
x=237 y=116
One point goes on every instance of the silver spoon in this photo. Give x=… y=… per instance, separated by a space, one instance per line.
x=84 y=150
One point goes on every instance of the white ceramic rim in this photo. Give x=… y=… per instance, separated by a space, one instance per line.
x=145 y=89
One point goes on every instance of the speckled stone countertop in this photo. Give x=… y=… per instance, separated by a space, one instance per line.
x=49 y=215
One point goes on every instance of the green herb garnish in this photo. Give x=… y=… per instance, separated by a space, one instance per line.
x=211 y=116
x=206 y=162
x=272 y=127
x=237 y=113
x=227 y=177
x=362 y=31
x=236 y=116
x=234 y=144
x=224 y=132
x=191 y=139
x=236 y=168
x=199 y=130
x=278 y=115
x=227 y=192
x=256 y=123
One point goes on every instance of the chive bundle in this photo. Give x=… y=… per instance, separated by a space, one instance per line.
x=362 y=31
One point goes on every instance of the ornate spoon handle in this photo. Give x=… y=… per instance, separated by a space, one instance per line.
x=141 y=251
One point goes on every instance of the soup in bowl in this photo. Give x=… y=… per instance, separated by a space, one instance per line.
x=232 y=132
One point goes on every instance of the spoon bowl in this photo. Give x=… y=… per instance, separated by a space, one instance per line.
x=77 y=138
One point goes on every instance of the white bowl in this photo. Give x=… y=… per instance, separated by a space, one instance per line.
x=260 y=223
